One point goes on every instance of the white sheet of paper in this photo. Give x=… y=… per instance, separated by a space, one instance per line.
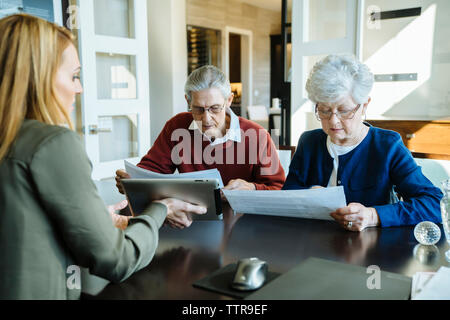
x=438 y=288
x=138 y=173
x=419 y=281
x=307 y=203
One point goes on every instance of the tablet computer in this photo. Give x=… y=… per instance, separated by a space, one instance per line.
x=141 y=192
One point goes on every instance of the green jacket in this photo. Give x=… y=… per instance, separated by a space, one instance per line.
x=52 y=220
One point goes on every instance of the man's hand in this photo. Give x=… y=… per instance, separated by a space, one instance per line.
x=356 y=217
x=121 y=174
x=179 y=213
x=119 y=221
x=237 y=184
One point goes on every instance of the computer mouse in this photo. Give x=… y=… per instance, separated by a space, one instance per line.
x=250 y=274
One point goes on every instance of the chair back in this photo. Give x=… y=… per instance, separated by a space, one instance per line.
x=285 y=160
x=435 y=170
x=257 y=113
x=286 y=153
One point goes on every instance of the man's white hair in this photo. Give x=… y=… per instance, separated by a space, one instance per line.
x=337 y=76
x=207 y=77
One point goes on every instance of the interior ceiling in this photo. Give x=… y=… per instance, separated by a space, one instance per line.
x=274 y=5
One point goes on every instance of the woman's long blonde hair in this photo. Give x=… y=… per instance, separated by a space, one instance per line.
x=30 y=55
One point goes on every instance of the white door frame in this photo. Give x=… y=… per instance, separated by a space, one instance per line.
x=57 y=12
x=301 y=108
x=92 y=107
x=246 y=64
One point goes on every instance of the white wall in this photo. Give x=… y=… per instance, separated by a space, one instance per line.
x=167 y=61
x=410 y=45
x=417 y=44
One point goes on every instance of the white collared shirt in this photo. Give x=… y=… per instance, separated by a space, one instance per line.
x=233 y=133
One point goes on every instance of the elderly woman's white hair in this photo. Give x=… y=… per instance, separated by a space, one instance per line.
x=207 y=77
x=337 y=76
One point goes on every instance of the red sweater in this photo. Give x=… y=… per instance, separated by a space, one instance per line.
x=254 y=159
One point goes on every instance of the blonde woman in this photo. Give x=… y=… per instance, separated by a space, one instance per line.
x=51 y=217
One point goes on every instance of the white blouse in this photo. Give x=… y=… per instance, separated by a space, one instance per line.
x=335 y=151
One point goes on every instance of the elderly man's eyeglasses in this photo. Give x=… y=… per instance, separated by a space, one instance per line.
x=326 y=114
x=215 y=109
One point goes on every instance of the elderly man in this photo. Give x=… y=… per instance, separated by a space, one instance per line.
x=212 y=136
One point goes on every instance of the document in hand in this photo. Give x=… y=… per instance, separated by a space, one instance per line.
x=307 y=203
x=138 y=173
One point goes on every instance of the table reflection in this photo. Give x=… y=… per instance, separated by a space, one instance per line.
x=427 y=255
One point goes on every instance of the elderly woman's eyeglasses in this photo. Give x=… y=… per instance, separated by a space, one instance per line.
x=215 y=109
x=326 y=114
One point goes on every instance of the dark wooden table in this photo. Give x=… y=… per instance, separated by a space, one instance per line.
x=184 y=256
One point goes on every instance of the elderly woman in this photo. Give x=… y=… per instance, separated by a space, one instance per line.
x=370 y=163
x=51 y=216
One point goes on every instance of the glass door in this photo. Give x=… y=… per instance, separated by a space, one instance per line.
x=319 y=28
x=115 y=103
